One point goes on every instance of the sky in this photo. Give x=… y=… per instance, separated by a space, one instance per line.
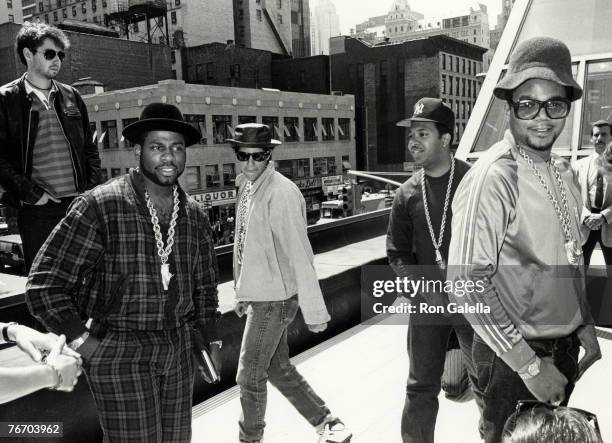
x=352 y=12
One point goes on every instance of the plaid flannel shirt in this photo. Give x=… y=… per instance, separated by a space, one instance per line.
x=101 y=262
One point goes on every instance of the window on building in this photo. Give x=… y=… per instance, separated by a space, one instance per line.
x=125 y=122
x=83 y=8
x=172 y=57
x=193 y=179
x=258 y=14
x=229 y=174
x=109 y=134
x=59 y=3
x=235 y=74
x=324 y=166
x=94 y=6
x=173 y=17
x=198 y=121
x=161 y=40
x=41 y=8
x=11 y=18
x=450 y=85
x=310 y=129
x=210 y=71
x=212 y=176
x=46 y=18
x=443 y=84
x=285 y=167
x=74 y=11
x=327 y=128
x=279 y=4
x=115 y=172
x=279 y=19
x=104 y=3
x=443 y=61
x=290 y=128
x=272 y=122
x=344 y=128
x=55 y=16
x=242 y=119
x=598 y=97
x=9 y=4
x=177 y=2
x=64 y=13
x=103 y=175
x=136 y=27
x=302 y=167
x=222 y=128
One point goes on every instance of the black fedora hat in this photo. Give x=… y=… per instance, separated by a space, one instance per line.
x=542 y=58
x=253 y=135
x=161 y=117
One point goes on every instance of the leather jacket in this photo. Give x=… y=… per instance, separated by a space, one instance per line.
x=18 y=129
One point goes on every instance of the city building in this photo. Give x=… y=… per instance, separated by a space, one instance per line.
x=317 y=132
x=402 y=23
x=11 y=11
x=388 y=79
x=305 y=74
x=279 y=26
x=97 y=57
x=502 y=19
x=28 y=7
x=325 y=24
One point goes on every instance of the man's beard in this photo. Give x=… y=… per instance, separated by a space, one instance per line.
x=154 y=178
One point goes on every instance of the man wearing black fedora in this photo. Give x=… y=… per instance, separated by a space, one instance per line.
x=516 y=230
x=274 y=276
x=136 y=256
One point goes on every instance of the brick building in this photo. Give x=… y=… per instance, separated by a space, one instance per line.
x=96 y=57
x=388 y=79
x=317 y=132
x=11 y=11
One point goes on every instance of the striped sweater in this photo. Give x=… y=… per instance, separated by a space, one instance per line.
x=505 y=233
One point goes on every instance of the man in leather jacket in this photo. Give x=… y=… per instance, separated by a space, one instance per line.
x=48 y=155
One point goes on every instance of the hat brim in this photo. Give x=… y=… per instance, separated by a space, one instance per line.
x=407 y=122
x=134 y=131
x=238 y=144
x=513 y=80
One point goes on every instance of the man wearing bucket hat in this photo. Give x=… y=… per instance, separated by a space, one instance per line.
x=135 y=255
x=274 y=276
x=596 y=188
x=516 y=231
x=417 y=246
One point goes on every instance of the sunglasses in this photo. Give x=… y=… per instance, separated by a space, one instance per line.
x=528 y=405
x=528 y=109
x=49 y=54
x=257 y=156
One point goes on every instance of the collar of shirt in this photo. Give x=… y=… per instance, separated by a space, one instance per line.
x=45 y=100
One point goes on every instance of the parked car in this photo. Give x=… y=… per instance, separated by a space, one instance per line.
x=11 y=252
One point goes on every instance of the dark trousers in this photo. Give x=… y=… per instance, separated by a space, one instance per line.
x=36 y=223
x=501 y=388
x=142 y=382
x=428 y=336
x=587 y=248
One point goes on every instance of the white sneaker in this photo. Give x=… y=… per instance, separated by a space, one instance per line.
x=333 y=431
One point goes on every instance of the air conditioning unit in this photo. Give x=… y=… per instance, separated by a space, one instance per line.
x=337 y=93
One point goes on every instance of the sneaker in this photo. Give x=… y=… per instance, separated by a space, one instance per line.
x=333 y=431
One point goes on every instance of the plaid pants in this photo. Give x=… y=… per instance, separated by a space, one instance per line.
x=142 y=383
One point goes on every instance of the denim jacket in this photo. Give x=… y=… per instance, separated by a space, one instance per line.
x=277 y=259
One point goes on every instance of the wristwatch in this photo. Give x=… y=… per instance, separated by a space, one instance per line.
x=532 y=369
x=77 y=342
x=5 y=335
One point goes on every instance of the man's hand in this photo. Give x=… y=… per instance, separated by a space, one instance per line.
x=69 y=368
x=594 y=221
x=317 y=328
x=46 y=197
x=33 y=342
x=549 y=385
x=241 y=308
x=592 y=353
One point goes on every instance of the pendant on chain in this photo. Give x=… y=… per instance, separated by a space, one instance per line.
x=439 y=260
x=166 y=275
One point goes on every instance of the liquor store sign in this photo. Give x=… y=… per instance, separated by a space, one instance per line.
x=216 y=198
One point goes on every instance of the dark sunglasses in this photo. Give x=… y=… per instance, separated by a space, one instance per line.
x=49 y=54
x=528 y=109
x=257 y=156
x=527 y=405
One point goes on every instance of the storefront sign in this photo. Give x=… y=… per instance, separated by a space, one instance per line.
x=307 y=183
x=217 y=198
x=332 y=180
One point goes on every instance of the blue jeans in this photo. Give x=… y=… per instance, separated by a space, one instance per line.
x=264 y=354
x=501 y=388
x=428 y=336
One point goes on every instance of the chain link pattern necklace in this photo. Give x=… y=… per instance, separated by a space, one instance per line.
x=572 y=249
x=243 y=209
x=438 y=244
x=164 y=253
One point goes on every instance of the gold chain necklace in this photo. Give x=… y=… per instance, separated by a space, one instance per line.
x=572 y=249
x=438 y=244
x=164 y=253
